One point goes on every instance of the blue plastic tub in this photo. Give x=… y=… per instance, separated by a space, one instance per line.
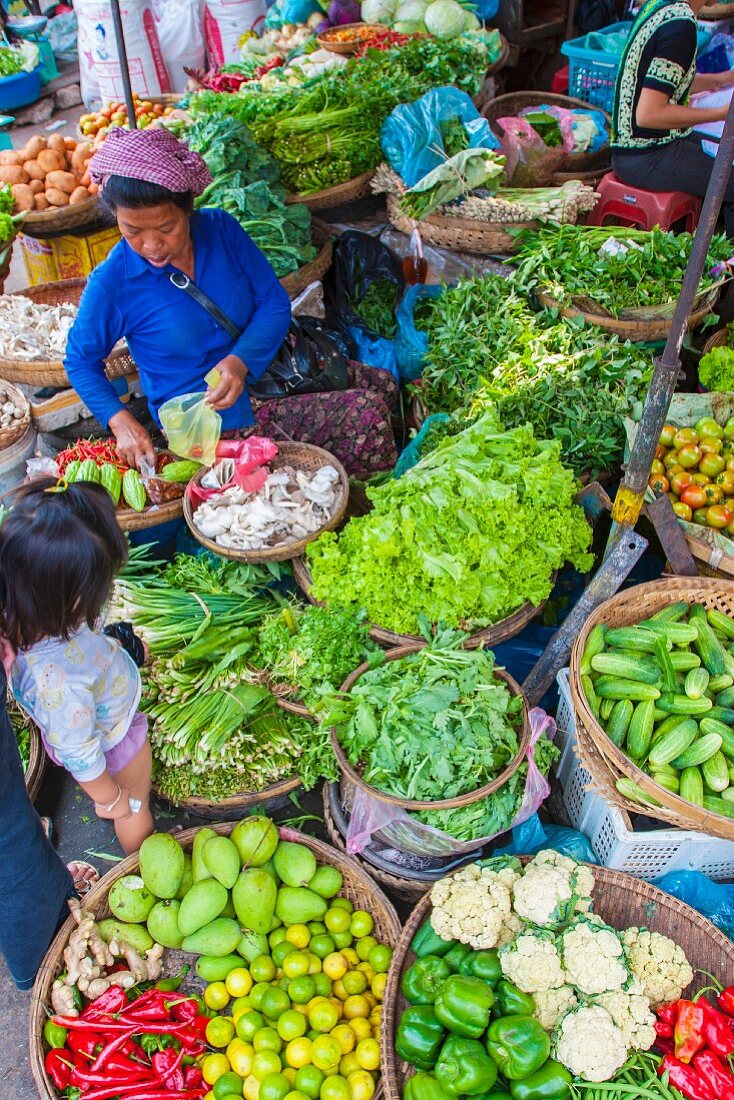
x=19 y=90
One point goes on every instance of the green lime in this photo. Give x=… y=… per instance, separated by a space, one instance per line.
x=275 y=1086
x=342 y=939
x=248 y=1025
x=321 y=946
x=323 y=984
x=229 y=1084
x=267 y=1038
x=301 y=990
x=281 y=950
x=309 y=1080
x=316 y=928
x=257 y=993
x=274 y=1003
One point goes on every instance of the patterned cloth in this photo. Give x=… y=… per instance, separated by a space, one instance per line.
x=155 y=156
x=83 y=694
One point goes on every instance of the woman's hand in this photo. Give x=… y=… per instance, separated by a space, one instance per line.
x=232 y=372
x=133 y=442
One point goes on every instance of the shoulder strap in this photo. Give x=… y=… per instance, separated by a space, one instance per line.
x=183 y=282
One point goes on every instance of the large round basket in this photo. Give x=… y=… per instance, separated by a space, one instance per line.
x=17 y=428
x=303 y=456
x=41 y=223
x=624 y=609
x=510 y=105
x=460 y=234
x=50 y=372
x=357 y=886
x=716 y=11
x=315 y=269
x=639 y=331
x=720 y=339
x=268 y=800
x=36 y=769
x=621 y=901
x=339 y=195
x=488 y=636
x=152 y=516
x=346 y=48
x=444 y=803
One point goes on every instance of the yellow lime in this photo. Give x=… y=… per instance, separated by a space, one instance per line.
x=265 y=1062
x=326 y=1052
x=364 y=946
x=375 y=1017
x=337 y=919
x=361 y=1028
x=361 y=923
x=257 y=993
x=322 y=1015
x=350 y=955
x=216 y=996
x=339 y=990
x=298 y=1052
x=296 y=1095
x=262 y=969
x=240 y=1057
x=290 y=1075
x=335 y=1088
x=219 y=1032
x=275 y=1086
x=348 y=1064
x=379 y=983
x=354 y=982
x=296 y=964
x=355 y=1007
x=316 y=928
x=281 y=950
x=368 y=1053
x=335 y=966
x=213 y=1066
x=238 y=982
x=345 y=1037
x=291 y=1025
x=314 y=963
x=371 y=1000
x=338 y=1006
x=240 y=1005
x=251 y=1088
x=228 y=1084
x=361 y=1085
x=298 y=935
x=268 y=1039
x=276 y=936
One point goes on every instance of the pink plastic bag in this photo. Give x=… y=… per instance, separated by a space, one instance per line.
x=398 y=829
x=528 y=160
x=241 y=462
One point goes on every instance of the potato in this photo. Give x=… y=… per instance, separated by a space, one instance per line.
x=11 y=173
x=79 y=158
x=57 y=197
x=9 y=156
x=36 y=186
x=32 y=148
x=79 y=194
x=23 y=198
x=51 y=161
x=70 y=143
x=57 y=143
x=41 y=202
x=34 y=170
x=61 y=181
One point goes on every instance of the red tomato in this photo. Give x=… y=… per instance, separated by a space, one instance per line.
x=719 y=516
x=685 y=436
x=694 y=497
x=681 y=481
x=659 y=484
x=682 y=510
x=689 y=456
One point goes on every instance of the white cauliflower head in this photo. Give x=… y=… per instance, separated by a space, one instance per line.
x=593 y=956
x=471 y=906
x=553 y=888
x=658 y=963
x=552 y=1004
x=511 y=926
x=589 y=1044
x=631 y=1013
x=532 y=961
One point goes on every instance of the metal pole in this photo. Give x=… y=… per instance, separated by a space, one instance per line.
x=122 y=57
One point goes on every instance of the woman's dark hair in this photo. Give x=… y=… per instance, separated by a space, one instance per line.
x=136 y=194
x=59 y=554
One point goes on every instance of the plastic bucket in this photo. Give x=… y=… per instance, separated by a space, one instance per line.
x=20 y=90
x=13 y=461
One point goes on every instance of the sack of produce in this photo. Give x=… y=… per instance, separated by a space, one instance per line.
x=98 y=48
x=225 y=23
x=181 y=35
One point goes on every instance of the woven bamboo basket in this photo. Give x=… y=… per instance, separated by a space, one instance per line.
x=5 y=258
x=18 y=428
x=357 y=886
x=489 y=636
x=621 y=901
x=297 y=281
x=289 y=705
x=444 y=803
x=338 y=195
x=719 y=339
x=460 y=234
x=40 y=223
x=626 y=608
x=304 y=456
x=168 y=99
x=36 y=769
x=268 y=800
x=716 y=11
x=50 y=372
x=641 y=331
x=408 y=889
x=152 y=516
x=346 y=48
x=510 y=105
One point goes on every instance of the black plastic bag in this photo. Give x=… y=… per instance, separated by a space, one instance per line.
x=312 y=359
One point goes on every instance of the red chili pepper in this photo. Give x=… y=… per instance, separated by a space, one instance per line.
x=716 y=1072
x=185 y=1011
x=118 y=1069
x=717 y=1030
x=166 y=1063
x=668 y=1013
x=107 y=1005
x=686 y=1079
x=145 y=1092
x=153 y=1005
x=192 y=1077
x=84 y=1043
x=113 y=1047
x=58 y=1067
x=725 y=1000
x=75 y=1023
x=689 y=1030
x=663 y=1029
x=665 y=1046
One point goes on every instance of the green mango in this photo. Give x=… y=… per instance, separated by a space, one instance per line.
x=254 y=895
x=163 y=924
x=203 y=904
x=222 y=859
x=270 y=868
x=298 y=905
x=255 y=838
x=295 y=864
x=188 y=878
x=228 y=910
x=198 y=867
x=327 y=882
x=219 y=937
x=252 y=944
x=215 y=968
x=137 y=935
x=129 y=900
x=161 y=864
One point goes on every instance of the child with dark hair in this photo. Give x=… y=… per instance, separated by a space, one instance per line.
x=60 y=549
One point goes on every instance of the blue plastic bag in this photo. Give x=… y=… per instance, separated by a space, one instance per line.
x=486 y=9
x=411 y=135
x=411 y=344
x=411 y=454
x=291 y=11
x=714 y=899
x=533 y=836
x=374 y=350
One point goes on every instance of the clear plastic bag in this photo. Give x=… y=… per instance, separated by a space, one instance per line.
x=370 y=816
x=192 y=427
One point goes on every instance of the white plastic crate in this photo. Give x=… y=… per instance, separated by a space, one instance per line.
x=643 y=854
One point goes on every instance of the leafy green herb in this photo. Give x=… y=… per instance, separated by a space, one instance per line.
x=716 y=370
x=377 y=307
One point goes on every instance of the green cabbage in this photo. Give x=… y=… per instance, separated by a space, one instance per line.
x=444 y=19
x=379 y=11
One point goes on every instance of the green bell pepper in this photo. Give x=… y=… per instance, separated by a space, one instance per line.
x=484 y=965
x=551 y=1082
x=428 y=942
x=419 y=1036
x=511 y=1001
x=422 y=981
x=464 y=1068
x=457 y=954
x=54 y=1034
x=519 y=1046
x=463 y=1005
x=424 y=1086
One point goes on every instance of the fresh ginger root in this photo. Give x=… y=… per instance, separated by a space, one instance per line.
x=62 y=999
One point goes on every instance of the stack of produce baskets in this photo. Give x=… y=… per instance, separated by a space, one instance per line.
x=461 y=234
x=619 y=774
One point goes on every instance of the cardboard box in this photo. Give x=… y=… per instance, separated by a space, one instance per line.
x=68 y=257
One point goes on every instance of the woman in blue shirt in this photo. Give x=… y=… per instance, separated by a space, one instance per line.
x=150 y=180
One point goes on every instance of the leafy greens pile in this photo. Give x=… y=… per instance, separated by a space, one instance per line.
x=327 y=130
x=716 y=370
x=573 y=383
x=21 y=728
x=466 y=537
x=432 y=725
x=576 y=265
x=377 y=307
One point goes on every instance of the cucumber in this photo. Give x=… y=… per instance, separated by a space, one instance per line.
x=618 y=724
x=696 y=683
x=675 y=633
x=625 y=668
x=725 y=698
x=681 y=704
x=606 y=706
x=715 y=772
x=728 y=794
x=636 y=794
x=611 y=687
x=722 y=714
x=667 y=781
x=668 y=723
x=683 y=660
x=673 y=743
x=639 y=733
x=691 y=786
x=631 y=637
x=717 y=684
x=709 y=649
x=594 y=644
x=702 y=749
x=712 y=725
x=672 y=613
x=730 y=769
x=591 y=696
x=721 y=622
x=716 y=805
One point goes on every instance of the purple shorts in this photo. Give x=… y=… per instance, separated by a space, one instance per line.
x=124 y=751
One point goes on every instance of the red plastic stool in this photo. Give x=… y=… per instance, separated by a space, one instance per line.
x=622 y=204
x=559 y=83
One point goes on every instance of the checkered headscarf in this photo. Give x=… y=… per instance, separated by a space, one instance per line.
x=155 y=156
